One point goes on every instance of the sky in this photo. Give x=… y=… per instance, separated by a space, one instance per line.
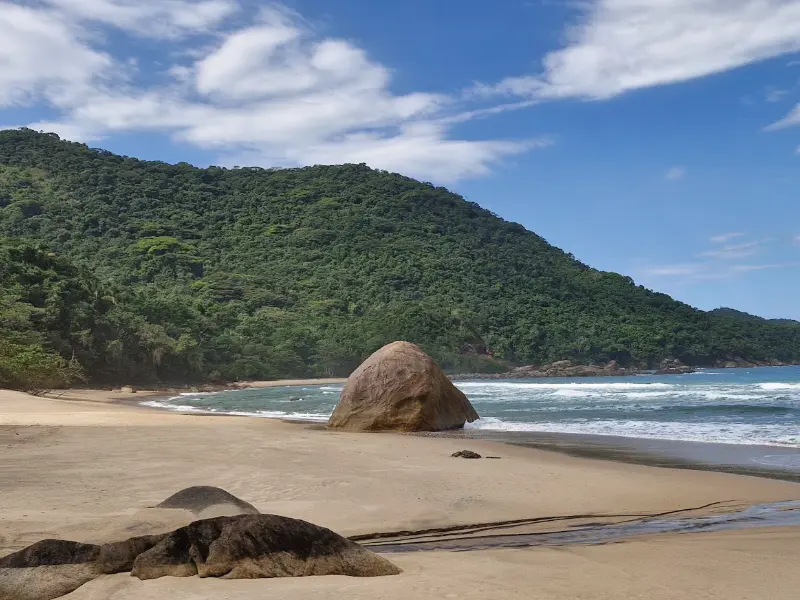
x=655 y=138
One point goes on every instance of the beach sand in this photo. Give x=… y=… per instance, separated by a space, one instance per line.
x=86 y=470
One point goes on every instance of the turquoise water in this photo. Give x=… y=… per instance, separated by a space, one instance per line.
x=732 y=406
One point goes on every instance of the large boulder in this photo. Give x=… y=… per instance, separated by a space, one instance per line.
x=254 y=546
x=400 y=388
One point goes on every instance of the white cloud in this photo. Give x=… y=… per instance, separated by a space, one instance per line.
x=272 y=92
x=676 y=270
x=675 y=173
x=726 y=237
x=734 y=251
x=42 y=58
x=417 y=151
x=153 y=18
x=624 y=45
x=750 y=268
x=790 y=120
x=706 y=271
x=716 y=264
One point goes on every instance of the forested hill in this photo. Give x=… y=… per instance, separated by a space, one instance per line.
x=737 y=314
x=147 y=271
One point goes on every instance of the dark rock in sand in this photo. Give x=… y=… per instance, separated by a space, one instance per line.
x=465 y=454
x=400 y=388
x=118 y=557
x=53 y=568
x=254 y=546
x=201 y=497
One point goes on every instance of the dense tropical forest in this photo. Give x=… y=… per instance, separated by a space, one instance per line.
x=120 y=270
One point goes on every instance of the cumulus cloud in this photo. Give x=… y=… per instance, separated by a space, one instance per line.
x=43 y=58
x=624 y=45
x=271 y=92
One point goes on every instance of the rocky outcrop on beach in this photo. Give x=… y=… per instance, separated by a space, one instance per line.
x=400 y=388
x=53 y=568
x=256 y=546
x=244 y=546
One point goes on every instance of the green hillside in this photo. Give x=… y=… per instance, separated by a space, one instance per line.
x=144 y=271
x=738 y=314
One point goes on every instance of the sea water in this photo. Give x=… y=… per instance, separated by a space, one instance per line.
x=732 y=406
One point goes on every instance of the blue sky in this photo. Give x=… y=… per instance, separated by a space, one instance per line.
x=656 y=138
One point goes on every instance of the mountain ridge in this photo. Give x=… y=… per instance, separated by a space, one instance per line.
x=260 y=273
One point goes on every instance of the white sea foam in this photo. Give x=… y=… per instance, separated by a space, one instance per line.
x=770 y=387
x=176 y=407
x=266 y=414
x=735 y=409
x=284 y=416
x=560 y=386
x=732 y=433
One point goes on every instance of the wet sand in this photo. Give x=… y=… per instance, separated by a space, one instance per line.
x=87 y=470
x=755 y=460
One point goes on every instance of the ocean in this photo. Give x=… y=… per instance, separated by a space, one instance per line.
x=728 y=406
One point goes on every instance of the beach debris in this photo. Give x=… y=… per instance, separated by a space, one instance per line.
x=256 y=546
x=400 y=388
x=202 y=498
x=52 y=568
x=465 y=454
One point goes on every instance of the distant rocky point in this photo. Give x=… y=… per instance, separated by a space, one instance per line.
x=567 y=368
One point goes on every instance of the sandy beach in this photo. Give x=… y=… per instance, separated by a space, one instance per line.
x=85 y=467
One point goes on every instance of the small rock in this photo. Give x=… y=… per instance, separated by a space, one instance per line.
x=200 y=498
x=465 y=454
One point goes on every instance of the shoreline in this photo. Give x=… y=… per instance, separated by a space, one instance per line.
x=88 y=470
x=111 y=395
x=765 y=461
x=753 y=460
